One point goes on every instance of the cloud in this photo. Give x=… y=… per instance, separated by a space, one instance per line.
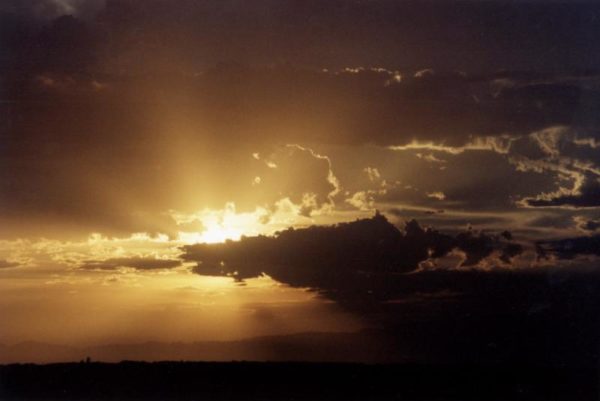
x=5 y=264
x=328 y=258
x=372 y=173
x=139 y=263
x=331 y=178
x=425 y=73
x=362 y=200
x=587 y=225
x=463 y=181
x=430 y=158
x=108 y=124
x=586 y=194
x=499 y=144
x=50 y=9
x=570 y=248
x=568 y=154
x=139 y=159
x=439 y=195
x=325 y=35
x=193 y=225
x=556 y=219
x=300 y=174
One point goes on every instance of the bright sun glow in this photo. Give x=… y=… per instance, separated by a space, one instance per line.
x=221 y=225
x=218 y=233
x=211 y=235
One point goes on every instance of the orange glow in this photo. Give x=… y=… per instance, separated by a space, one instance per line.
x=213 y=234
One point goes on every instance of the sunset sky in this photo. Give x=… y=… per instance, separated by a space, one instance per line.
x=132 y=130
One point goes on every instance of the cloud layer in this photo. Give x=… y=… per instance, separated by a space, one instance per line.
x=329 y=259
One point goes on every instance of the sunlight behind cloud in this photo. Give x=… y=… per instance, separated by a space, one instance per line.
x=221 y=225
x=213 y=234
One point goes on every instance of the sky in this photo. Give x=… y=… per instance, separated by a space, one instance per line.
x=449 y=151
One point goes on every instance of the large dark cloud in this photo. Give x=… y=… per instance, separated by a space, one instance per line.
x=300 y=105
x=328 y=258
x=475 y=35
x=163 y=42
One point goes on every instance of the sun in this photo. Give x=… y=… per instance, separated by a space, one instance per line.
x=213 y=234
x=220 y=225
x=218 y=233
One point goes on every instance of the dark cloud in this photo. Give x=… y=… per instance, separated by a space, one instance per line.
x=324 y=107
x=567 y=154
x=488 y=188
x=570 y=248
x=158 y=39
x=589 y=225
x=587 y=195
x=342 y=33
x=553 y=221
x=327 y=258
x=49 y=9
x=139 y=263
x=389 y=33
x=510 y=251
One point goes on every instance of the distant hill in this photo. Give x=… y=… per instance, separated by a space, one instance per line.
x=363 y=346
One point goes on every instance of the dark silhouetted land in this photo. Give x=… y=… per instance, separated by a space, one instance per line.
x=291 y=381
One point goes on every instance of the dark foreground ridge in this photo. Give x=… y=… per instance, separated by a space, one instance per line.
x=291 y=381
